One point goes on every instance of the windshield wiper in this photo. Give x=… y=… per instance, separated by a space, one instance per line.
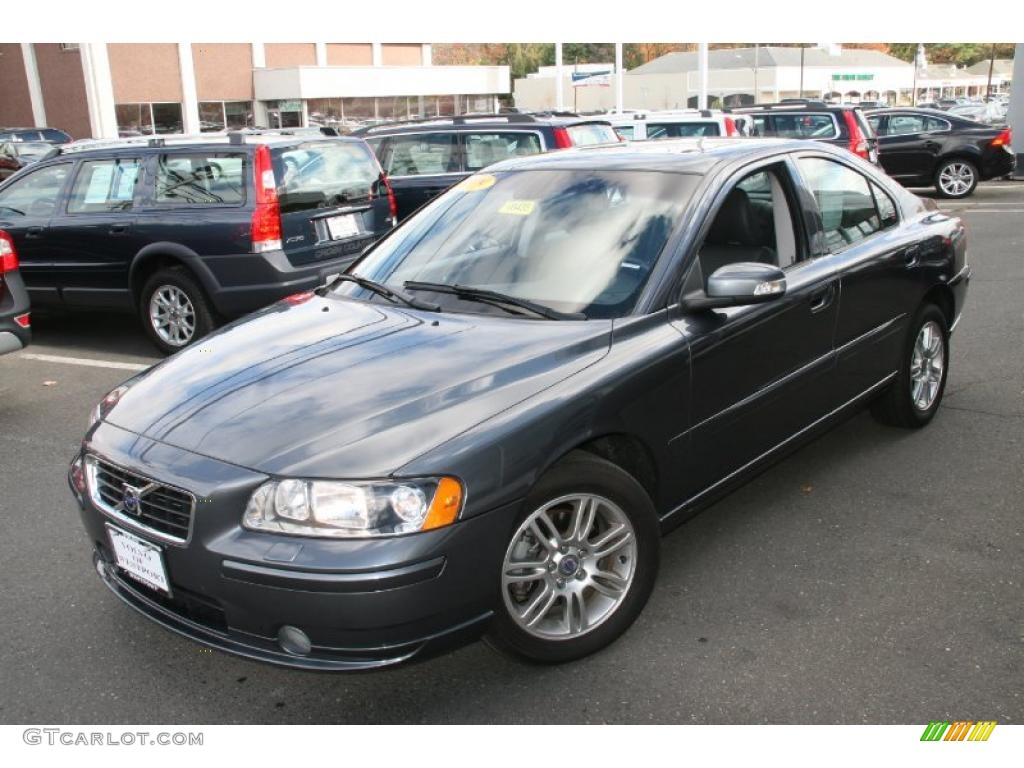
x=382 y=290
x=493 y=297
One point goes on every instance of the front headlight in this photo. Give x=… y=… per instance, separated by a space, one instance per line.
x=102 y=408
x=354 y=509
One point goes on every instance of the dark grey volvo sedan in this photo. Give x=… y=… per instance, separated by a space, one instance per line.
x=486 y=424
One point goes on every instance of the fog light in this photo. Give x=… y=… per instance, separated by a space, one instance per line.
x=294 y=641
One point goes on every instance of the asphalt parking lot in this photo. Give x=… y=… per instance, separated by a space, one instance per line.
x=874 y=576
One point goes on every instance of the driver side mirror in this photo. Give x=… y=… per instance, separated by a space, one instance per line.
x=734 y=285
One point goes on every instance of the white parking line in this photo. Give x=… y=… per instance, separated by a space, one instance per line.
x=83 y=361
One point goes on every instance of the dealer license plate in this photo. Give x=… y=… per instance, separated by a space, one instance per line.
x=139 y=559
x=342 y=227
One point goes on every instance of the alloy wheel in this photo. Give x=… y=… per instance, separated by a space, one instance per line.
x=956 y=179
x=569 y=566
x=172 y=315
x=926 y=366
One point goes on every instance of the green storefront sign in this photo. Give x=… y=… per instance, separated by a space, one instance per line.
x=837 y=76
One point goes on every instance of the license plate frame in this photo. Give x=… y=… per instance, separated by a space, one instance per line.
x=343 y=227
x=141 y=560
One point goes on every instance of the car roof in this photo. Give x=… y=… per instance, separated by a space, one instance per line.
x=667 y=115
x=696 y=156
x=512 y=120
x=796 y=105
x=90 y=147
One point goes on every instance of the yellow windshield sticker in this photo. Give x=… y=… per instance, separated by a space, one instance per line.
x=476 y=183
x=518 y=207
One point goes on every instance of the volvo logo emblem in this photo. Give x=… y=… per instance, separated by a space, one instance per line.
x=569 y=565
x=131 y=496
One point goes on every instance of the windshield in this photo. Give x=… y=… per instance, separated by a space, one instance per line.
x=577 y=241
x=323 y=174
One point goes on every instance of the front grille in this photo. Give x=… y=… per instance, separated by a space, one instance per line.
x=160 y=508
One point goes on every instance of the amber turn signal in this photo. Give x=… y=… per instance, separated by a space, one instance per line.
x=444 y=509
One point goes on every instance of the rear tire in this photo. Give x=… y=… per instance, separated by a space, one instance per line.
x=956 y=178
x=915 y=394
x=174 y=309
x=580 y=564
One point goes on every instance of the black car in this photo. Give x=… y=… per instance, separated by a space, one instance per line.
x=842 y=125
x=48 y=135
x=423 y=158
x=15 y=155
x=486 y=424
x=924 y=147
x=15 y=322
x=188 y=232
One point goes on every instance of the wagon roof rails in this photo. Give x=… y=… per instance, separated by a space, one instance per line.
x=504 y=117
x=788 y=104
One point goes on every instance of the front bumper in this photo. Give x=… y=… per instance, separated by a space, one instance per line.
x=363 y=604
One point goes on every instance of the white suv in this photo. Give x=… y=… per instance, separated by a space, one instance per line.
x=678 y=123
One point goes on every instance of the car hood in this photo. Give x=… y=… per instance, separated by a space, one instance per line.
x=332 y=387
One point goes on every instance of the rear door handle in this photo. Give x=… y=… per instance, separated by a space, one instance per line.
x=820 y=300
x=119 y=229
x=35 y=231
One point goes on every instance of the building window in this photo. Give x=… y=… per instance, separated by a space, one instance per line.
x=225 y=115
x=147 y=119
x=342 y=114
x=286 y=113
x=69 y=46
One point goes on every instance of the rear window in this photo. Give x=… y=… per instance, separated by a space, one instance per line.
x=200 y=179
x=587 y=134
x=420 y=154
x=800 y=126
x=52 y=134
x=680 y=130
x=483 y=149
x=324 y=174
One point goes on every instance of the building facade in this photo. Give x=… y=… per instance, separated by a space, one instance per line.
x=741 y=76
x=105 y=90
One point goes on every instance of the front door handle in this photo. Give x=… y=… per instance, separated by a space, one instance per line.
x=34 y=232
x=119 y=229
x=820 y=300
x=912 y=256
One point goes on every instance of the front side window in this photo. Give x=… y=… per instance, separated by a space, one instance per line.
x=35 y=194
x=680 y=130
x=104 y=185
x=204 y=179
x=483 y=149
x=571 y=240
x=887 y=211
x=424 y=154
x=847 y=205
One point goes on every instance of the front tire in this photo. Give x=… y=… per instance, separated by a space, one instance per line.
x=580 y=565
x=956 y=178
x=914 y=396
x=174 y=309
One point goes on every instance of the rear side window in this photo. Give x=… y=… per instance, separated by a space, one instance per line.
x=424 y=154
x=625 y=131
x=200 y=179
x=102 y=186
x=323 y=174
x=52 y=134
x=847 y=205
x=679 y=130
x=483 y=149
x=902 y=125
x=801 y=126
x=587 y=134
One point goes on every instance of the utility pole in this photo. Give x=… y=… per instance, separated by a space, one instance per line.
x=702 y=67
x=618 y=78
x=559 y=84
x=991 y=65
x=757 y=53
x=803 y=47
